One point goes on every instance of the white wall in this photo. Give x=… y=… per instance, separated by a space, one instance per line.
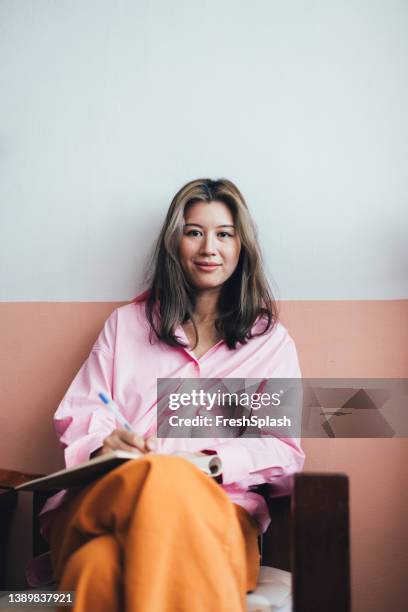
x=108 y=107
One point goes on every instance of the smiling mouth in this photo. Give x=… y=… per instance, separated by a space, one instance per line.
x=206 y=267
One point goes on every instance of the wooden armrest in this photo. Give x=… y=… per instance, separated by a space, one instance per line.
x=12 y=478
x=309 y=536
x=320 y=543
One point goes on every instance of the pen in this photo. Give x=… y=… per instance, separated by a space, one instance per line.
x=115 y=410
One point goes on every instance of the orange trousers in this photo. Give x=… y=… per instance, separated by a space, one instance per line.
x=155 y=535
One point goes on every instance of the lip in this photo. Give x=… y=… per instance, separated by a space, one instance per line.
x=205 y=267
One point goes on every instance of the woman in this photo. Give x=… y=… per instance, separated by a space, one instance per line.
x=157 y=534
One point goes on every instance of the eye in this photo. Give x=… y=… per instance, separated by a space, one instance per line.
x=193 y=232
x=224 y=234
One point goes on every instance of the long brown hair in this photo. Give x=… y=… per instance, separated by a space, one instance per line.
x=244 y=297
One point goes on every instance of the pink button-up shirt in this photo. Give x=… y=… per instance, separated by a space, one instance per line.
x=124 y=363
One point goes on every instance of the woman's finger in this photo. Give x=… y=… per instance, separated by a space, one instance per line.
x=129 y=448
x=151 y=443
x=132 y=439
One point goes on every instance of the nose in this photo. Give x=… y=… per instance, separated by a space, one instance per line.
x=207 y=245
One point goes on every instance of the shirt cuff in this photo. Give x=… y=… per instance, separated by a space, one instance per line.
x=209 y=451
x=235 y=466
x=80 y=450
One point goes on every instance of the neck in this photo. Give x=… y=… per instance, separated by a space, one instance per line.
x=206 y=309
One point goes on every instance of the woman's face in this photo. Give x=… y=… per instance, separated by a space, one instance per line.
x=210 y=245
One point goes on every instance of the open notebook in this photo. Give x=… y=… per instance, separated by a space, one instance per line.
x=85 y=473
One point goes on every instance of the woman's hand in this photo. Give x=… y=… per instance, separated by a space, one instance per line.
x=121 y=439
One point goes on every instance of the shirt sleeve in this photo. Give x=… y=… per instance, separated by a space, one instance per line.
x=81 y=421
x=249 y=462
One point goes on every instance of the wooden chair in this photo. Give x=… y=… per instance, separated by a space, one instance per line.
x=305 y=551
x=8 y=503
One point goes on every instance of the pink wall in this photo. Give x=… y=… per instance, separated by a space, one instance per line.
x=362 y=339
x=43 y=345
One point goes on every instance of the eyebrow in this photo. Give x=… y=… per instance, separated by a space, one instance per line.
x=198 y=225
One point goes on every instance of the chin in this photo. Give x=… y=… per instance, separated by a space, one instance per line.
x=203 y=286
x=206 y=284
